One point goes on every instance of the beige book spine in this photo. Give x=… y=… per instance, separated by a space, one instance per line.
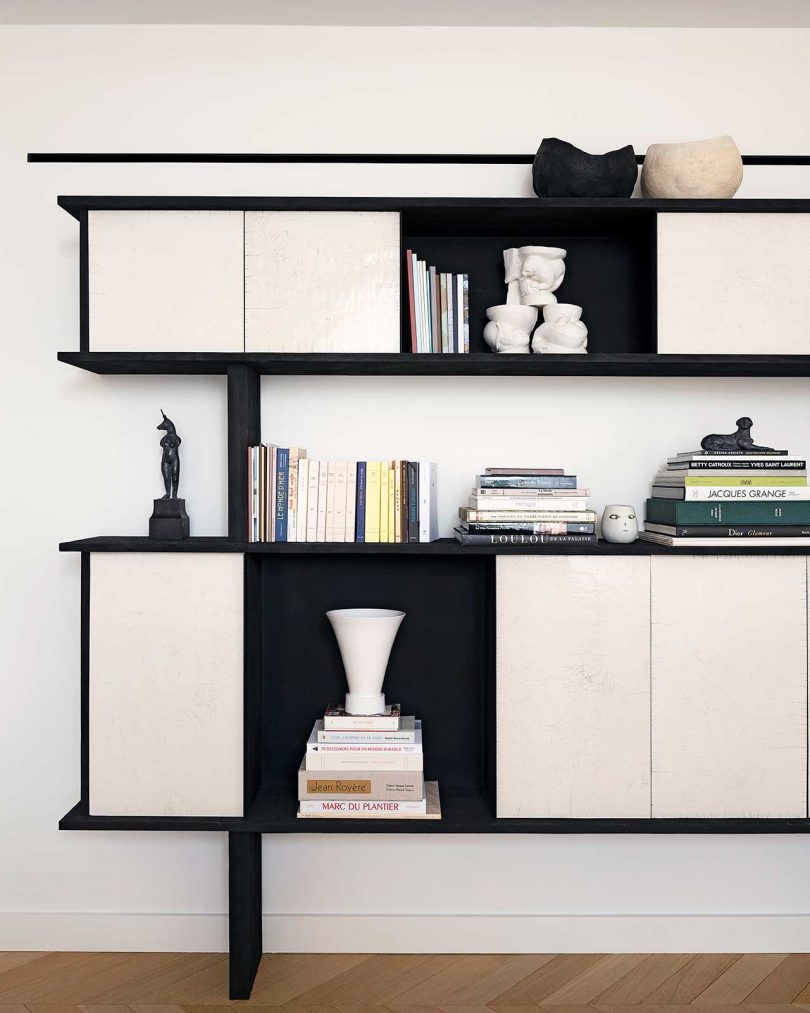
x=313 y=469
x=331 y=482
x=322 y=485
x=301 y=515
x=371 y=784
x=397 y=501
x=341 y=477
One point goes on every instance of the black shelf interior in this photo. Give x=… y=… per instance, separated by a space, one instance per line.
x=439 y=667
x=610 y=267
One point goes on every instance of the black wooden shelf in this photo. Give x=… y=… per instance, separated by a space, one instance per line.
x=408 y=364
x=441 y=547
x=76 y=205
x=274 y=812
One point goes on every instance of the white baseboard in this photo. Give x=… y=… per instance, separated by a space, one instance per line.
x=406 y=933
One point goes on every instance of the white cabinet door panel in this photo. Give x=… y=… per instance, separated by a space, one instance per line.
x=166 y=281
x=734 y=283
x=166 y=684
x=322 y=281
x=729 y=690
x=573 y=686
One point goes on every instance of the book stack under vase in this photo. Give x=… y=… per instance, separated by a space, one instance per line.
x=704 y=499
x=366 y=766
x=294 y=499
x=526 y=506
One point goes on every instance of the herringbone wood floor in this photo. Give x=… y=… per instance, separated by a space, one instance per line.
x=407 y=983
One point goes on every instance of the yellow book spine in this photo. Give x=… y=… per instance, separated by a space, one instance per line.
x=392 y=502
x=373 y=501
x=397 y=501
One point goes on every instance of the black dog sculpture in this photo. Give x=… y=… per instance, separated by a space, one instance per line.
x=735 y=443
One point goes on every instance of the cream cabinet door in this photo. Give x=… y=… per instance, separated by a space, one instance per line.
x=322 y=281
x=573 y=686
x=729 y=686
x=166 y=281
x=166 y=684
x=734 y=283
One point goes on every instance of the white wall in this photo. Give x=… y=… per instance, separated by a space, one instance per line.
x=80 y=452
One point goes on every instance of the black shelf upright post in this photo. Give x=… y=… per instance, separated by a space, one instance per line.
x=244 y=430
x=244 y=911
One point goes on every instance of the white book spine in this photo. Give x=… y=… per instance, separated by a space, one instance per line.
x=417 y=314
x=351 y=500
x=363 y=761
x=292 y=495
x=313 y=469
x=331 y=482
x=341 y=478
x=322 y=486
x=270 y=499
x=301 y=517
x=428 y=502
x=357 y=807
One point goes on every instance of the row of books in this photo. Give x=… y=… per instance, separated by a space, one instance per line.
x=438 y=308
x=526 y=506
x=294 y=499
x=366 y=766
x=703 y=499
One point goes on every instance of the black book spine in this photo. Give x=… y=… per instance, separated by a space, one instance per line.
x=520 y=539
x=779 y=464
x=413 y=501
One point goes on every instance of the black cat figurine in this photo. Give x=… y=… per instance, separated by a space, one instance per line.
x=735 y=443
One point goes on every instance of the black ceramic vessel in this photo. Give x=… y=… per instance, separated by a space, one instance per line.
x=562 y=170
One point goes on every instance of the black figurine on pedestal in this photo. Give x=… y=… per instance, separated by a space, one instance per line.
x=736 y=443
x=169 y=518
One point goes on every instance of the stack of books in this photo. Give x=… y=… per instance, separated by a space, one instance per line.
x=293 y=499
x=438 y=308
x=703 y=499
x=526 y=506
x=366 y=766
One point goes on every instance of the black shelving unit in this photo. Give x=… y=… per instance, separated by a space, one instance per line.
x=615 y=244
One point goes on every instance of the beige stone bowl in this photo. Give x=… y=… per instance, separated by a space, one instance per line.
x=697 y=169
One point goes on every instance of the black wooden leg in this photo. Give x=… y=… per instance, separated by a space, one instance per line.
x=244 y=911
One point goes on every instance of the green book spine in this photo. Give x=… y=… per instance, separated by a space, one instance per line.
x=672 y=511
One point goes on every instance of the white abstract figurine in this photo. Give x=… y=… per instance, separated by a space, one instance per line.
x=533 y=274
x=562 y=330
x=619 y=524
x=509 y=327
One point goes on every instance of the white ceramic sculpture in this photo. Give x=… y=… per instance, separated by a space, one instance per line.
x=533 y=274
x=509 y=327
x=365 y=638
x=698 y=169
x=562 y=331
x=619 y=524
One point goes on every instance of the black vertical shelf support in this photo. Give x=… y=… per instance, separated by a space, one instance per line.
x=244 y=430
x=244 y=911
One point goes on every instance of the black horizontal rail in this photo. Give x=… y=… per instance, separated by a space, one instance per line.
x=355 y=157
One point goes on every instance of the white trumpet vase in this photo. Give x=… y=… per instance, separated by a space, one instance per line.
x=365 y=638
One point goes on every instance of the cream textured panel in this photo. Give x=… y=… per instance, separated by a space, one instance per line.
x=166 y=281
x=729 y=691
x=322 y=281
x=573 y=686
x=166 y=684
x=734 y=283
